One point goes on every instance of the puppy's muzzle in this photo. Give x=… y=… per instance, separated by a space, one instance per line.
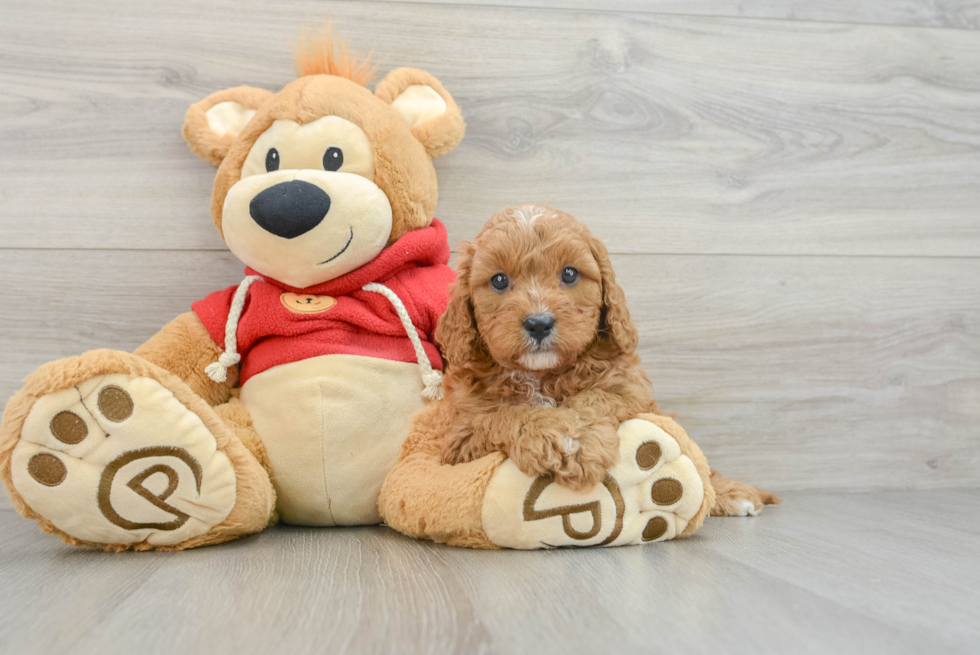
x=539 y=326
x=289 y=209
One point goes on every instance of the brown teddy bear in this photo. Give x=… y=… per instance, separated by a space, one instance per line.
x=326 y=192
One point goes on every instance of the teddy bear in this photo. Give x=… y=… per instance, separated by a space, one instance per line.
x=285 y=397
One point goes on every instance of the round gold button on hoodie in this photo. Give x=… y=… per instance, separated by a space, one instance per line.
x=300 y=303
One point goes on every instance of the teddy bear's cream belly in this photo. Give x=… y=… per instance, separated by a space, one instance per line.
x=333 y=426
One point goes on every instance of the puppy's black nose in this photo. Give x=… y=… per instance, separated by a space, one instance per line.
x=289 y=209
x=539 y=326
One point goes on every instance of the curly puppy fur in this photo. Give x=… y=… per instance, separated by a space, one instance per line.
x=552 y=406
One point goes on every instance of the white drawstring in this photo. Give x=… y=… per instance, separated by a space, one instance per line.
x=218 y=371
x=431 y=378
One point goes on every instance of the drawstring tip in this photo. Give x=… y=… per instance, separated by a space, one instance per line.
x=433 y=385
x=432 y=393
x=218 y=371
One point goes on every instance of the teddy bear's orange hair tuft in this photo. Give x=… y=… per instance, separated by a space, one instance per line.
x=323 y=54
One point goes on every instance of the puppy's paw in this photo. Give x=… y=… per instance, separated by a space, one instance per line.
x=578 y=475
x=549 y=444
x=594 y=452
x=734 y=498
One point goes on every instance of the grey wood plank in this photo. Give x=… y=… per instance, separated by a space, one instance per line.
x=859 y=373
x=842 y=580
x=672 y=134
x=952 y=14
x=791 y=372
x=81 y=300
x=910 y=562
x=45 y=581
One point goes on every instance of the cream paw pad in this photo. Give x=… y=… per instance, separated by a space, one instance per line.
x=651 y=494
x=119 y=460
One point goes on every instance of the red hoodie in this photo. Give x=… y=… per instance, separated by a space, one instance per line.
x=352 y=321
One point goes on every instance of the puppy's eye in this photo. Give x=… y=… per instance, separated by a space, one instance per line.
x=272 y=160
x=333 y=159
x=499 y=282
x=569 y=275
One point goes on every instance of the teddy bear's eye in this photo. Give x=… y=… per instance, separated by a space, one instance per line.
x=333 y=159
x=499 y=282
x=272 y=160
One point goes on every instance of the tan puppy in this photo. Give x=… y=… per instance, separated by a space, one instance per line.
x=542 y=354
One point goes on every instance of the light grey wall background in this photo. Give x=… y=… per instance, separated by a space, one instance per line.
x=791 y=191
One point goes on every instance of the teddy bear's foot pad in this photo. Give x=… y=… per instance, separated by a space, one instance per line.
x=119 y=460
x=650 y=495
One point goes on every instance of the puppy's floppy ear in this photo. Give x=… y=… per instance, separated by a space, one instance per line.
x=213 y=124
x=615 y=322
x=456 y=332
x=426 y=106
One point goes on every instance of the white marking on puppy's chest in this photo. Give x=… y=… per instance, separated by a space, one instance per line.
x=533 y=386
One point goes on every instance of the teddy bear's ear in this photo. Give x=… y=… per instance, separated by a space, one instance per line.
x=213 y=124
x=426 y=106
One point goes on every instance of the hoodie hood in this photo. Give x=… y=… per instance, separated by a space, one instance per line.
x=427 y=246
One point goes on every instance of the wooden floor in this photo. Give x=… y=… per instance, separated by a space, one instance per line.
x=791 y=193
x=889 y=572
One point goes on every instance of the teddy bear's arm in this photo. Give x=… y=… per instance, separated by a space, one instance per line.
x=184 y=347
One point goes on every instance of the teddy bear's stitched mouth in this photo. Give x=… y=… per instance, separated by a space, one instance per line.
x=342 y=250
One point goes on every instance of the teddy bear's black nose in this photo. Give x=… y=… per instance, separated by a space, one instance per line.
x=290 y=209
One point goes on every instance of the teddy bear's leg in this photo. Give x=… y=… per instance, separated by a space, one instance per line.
x=110 y=450
x=236 y=417
x=428 y=500
x=657 y=491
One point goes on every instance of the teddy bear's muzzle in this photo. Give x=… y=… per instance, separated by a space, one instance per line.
x=302 y=227
x=290 y=209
